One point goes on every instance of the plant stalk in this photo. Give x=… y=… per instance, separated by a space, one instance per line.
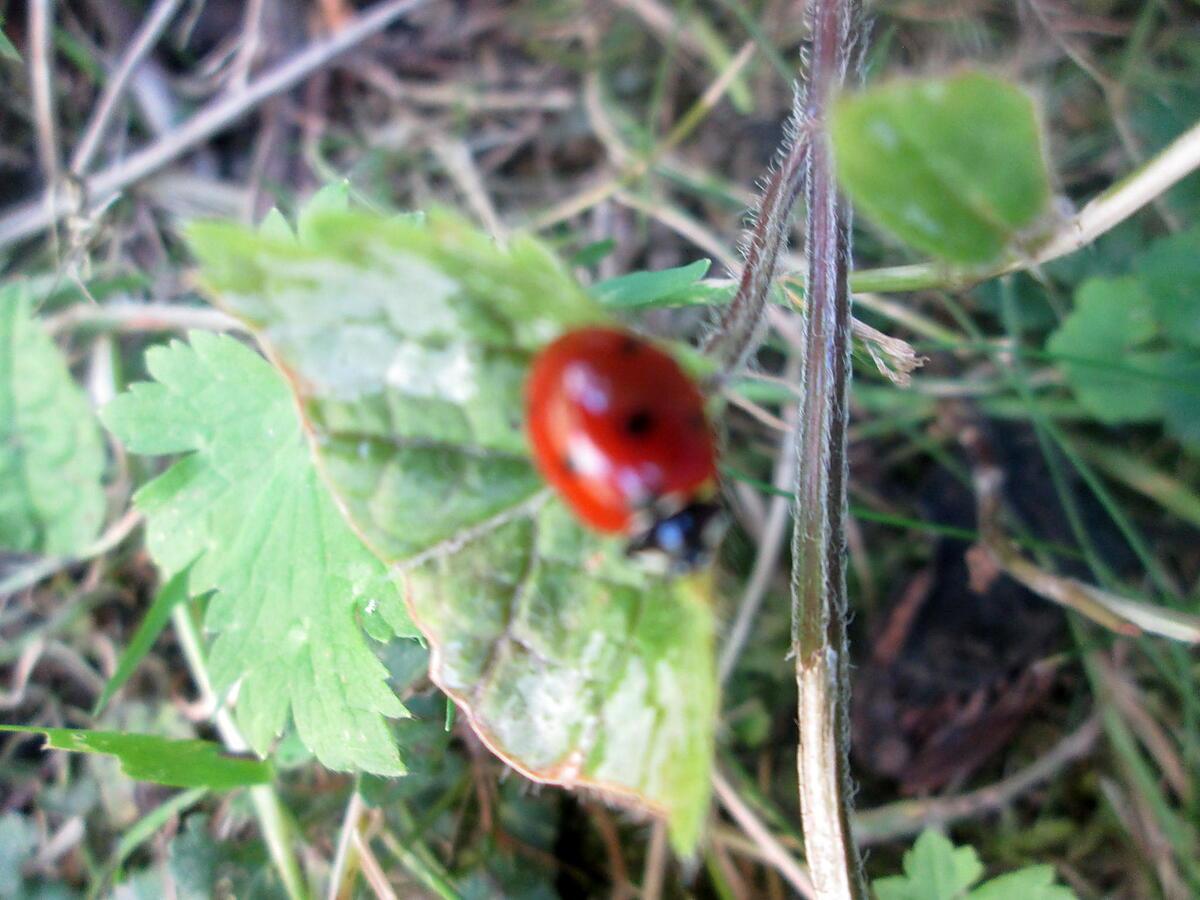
x=273 y=820
x=819 y=541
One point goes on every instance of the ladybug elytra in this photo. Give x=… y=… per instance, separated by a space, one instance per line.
x=619 y=430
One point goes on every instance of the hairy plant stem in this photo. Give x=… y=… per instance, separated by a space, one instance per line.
x=818 y=546
x=733 y=337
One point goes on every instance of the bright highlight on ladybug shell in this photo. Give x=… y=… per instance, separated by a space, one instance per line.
x=619 y=430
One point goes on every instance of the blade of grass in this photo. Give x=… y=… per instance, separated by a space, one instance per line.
x=166 y=599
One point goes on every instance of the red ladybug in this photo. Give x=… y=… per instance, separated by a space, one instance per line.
x=619 y=430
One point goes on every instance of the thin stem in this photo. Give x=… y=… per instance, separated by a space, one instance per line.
x=41 y=85
x=769 y=846
x=158 y=18
x=907 y=818
x=30 y=218
x=272 y=819
x=421 y=865
x=655 y=869
x=345 y=857
x=770 y=545
x=733 y=337
x=819 y=541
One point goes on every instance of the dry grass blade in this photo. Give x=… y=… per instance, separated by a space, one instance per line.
x=159 y=17
x=772 y=851
x=31 y=218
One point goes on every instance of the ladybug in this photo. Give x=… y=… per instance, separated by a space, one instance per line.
x=619 y=430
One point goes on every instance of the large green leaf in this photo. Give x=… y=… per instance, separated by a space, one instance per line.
x=407 y=344
x=147 y=757
x=953 y=166
x=51 y=456
x=247 y=505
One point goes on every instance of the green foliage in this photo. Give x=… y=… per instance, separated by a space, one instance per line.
x=247 y=507
x=408 y=343
x=666 y=287
x=1131 y=347
x=7 y=50
x=953 y=166
x=1170 y=272
x=147 y=757
x=51 y=456
x=934 y=869
x=201 y=867
x=168 y=597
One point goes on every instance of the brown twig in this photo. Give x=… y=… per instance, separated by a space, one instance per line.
x=655 y=869
x=818 y=547
x=769 y=847
x=910 y=817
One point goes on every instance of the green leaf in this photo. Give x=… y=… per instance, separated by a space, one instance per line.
x=1034 y=883
x=202 y=867
x=953 y=166
x=642 y=289
x=168 y=597
x=408 y=344
x=1099 y=347
x=333 y=197
x=590 y=254
x=51 y=455
x=151 y=824
x=248 y=506
x=574 y=666
x=934 y=869
x=147 y=757
x=1181 y=396
x=1170 y=273
x=7 y=50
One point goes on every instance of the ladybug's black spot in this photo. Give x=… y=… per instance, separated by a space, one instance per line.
x=639 y=423
x=630 y=346
x=696 y=422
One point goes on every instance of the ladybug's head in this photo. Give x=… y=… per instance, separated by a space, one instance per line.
x=683 y=539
